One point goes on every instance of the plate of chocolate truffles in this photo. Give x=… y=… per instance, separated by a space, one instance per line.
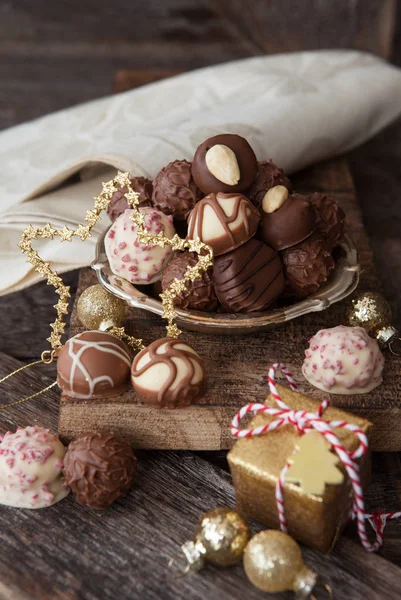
x=277 y=254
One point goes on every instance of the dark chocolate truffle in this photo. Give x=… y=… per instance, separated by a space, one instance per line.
x=224 y=163
x=269 y=175
x=99 y=467
x=292 y=222
x=307 y=266
x=249 y=278
x=174 y=191
x=223 y=221
x=118 y=203
x=168 y=374
x=93 y=364
x=330 y=219
x=199 y=294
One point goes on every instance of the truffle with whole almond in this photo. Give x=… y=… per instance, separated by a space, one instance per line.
x=268 y=176
x=287 y=219
x=224 y=163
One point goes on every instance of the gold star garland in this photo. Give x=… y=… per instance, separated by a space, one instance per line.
x=83 y=231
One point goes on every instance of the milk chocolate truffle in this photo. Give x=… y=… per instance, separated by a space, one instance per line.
x=168 y=373
x=93 y=364
x=224 y=221
x=198 y=294
x=287 y=219
x=330 y=219
x=307 y=266
x=99 y=467
x=343 y=360
x=249 y=278
x=174 y=191
x=118 y=203
x=138 y=263
x=224 y=163
x=31 y=461
x=268 y=176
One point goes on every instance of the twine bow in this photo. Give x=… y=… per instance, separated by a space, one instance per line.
x=305 y=422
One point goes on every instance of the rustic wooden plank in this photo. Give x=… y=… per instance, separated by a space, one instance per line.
x=236 y=371
x=128 y=79
x=71 y=552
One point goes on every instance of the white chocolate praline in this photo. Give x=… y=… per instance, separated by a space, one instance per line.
x=135 y=262
x=343 y=360
x=31 y=462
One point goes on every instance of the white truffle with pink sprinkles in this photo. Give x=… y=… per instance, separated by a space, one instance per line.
x=343 y=360
x=31 y=462
x=135 y=262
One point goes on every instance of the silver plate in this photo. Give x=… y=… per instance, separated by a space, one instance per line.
x=342 y=282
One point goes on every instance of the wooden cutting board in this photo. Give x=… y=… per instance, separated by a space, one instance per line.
x=236 y=366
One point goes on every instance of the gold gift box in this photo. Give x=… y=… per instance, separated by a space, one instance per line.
x=257 y=462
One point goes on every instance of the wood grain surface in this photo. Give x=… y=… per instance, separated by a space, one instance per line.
x=71 y=552
x=236 y=366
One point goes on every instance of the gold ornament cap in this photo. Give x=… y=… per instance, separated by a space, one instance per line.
x=273 y=563
x=98 y=309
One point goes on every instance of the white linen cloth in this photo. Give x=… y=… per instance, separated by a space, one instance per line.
x=295 y=108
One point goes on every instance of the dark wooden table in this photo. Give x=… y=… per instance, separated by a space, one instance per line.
x=56 y=54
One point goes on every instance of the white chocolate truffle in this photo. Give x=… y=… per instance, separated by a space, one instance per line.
x=31 y=461
x=343 y=360
x=168 y=373
x=135 y=262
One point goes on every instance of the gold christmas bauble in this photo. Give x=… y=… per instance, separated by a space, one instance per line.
x=223 y=534
x=273 y=563
x=98 y=309
x=371 y=311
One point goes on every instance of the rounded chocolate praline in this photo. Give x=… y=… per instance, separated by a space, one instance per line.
x=292 y=223
x=93 y=364
x=245 y=157
x=223 y=221
x=99 y=467
x=118 y=203
x=268 y=176
x=248 y=279
x=330 y=219
x=174 y=190
x=198 y=294
x=168 y=374
x=307 y=266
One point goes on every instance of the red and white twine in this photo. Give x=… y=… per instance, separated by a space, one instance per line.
x=305 y=422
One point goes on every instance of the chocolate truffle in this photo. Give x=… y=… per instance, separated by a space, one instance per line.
x=249 y=278
x=93 y=364
x=287 y=219
x=174 y=191
x=138 y=263
x=118 y=203
x=199 y=294
x=31 y=461
x=224 y=163
x=224 y=221
x=269 y=175
x=99 y=467
x=343 y=360
x=330 y=219
x=307 y=266
x=168 y=373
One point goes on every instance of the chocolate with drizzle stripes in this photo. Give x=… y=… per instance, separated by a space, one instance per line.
x=168 y=374
x=223 y=221
x=248 y=279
